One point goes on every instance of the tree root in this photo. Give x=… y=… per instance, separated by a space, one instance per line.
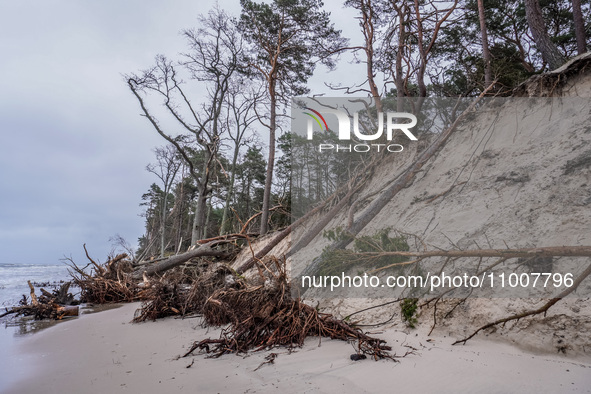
x=264 y=317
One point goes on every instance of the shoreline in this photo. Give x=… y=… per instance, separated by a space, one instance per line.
x=104 y=352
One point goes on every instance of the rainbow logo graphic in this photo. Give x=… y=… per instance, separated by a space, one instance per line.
x=316 y=119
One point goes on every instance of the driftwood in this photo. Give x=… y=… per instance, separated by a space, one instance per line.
x=46 y=306
x=34 y=300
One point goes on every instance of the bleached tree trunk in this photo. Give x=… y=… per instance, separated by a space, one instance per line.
x=201 y=204
x=225 y=221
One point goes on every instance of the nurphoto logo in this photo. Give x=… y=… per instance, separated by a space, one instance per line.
x=395 y=121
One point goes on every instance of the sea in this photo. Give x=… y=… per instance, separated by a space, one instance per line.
x=14 y=277
x=13 y=285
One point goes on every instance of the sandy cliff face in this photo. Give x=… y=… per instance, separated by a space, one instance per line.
x=517 y=174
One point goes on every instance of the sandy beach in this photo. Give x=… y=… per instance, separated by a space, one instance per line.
x=104 y=352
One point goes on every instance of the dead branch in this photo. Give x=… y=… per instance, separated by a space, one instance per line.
x=228 y=237
x=431 y=199
x=543 y=309
x=33 y=296
x=98 y=268
x=256 y=215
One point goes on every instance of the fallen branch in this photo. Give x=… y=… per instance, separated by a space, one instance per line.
x=256 y=215
x=543 y=309
x=431 y=199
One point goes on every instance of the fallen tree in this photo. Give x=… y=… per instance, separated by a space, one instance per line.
x=532 y=258
x=549 y=251
x=402 y=181
x=205 y=250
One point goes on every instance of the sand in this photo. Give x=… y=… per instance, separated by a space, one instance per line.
x=104 y=352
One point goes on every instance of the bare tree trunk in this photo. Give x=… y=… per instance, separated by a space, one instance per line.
x=207 y=217
x=426 y=45
x=579 y=27
x=368 y=27
x=537 y=26
x=163 y=224
x=422 y=52
x=549 y=251
x=195 y=227
x=399 y=79
x=485 y=48
x=271 y=162
x=225 y=222
x=201 y=206
x=199 y=219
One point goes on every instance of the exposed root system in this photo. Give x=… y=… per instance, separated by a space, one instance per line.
x=266 y=316
x=181 y=293
x=106 y=283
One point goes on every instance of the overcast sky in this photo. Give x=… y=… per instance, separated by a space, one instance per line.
x=73 y=148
